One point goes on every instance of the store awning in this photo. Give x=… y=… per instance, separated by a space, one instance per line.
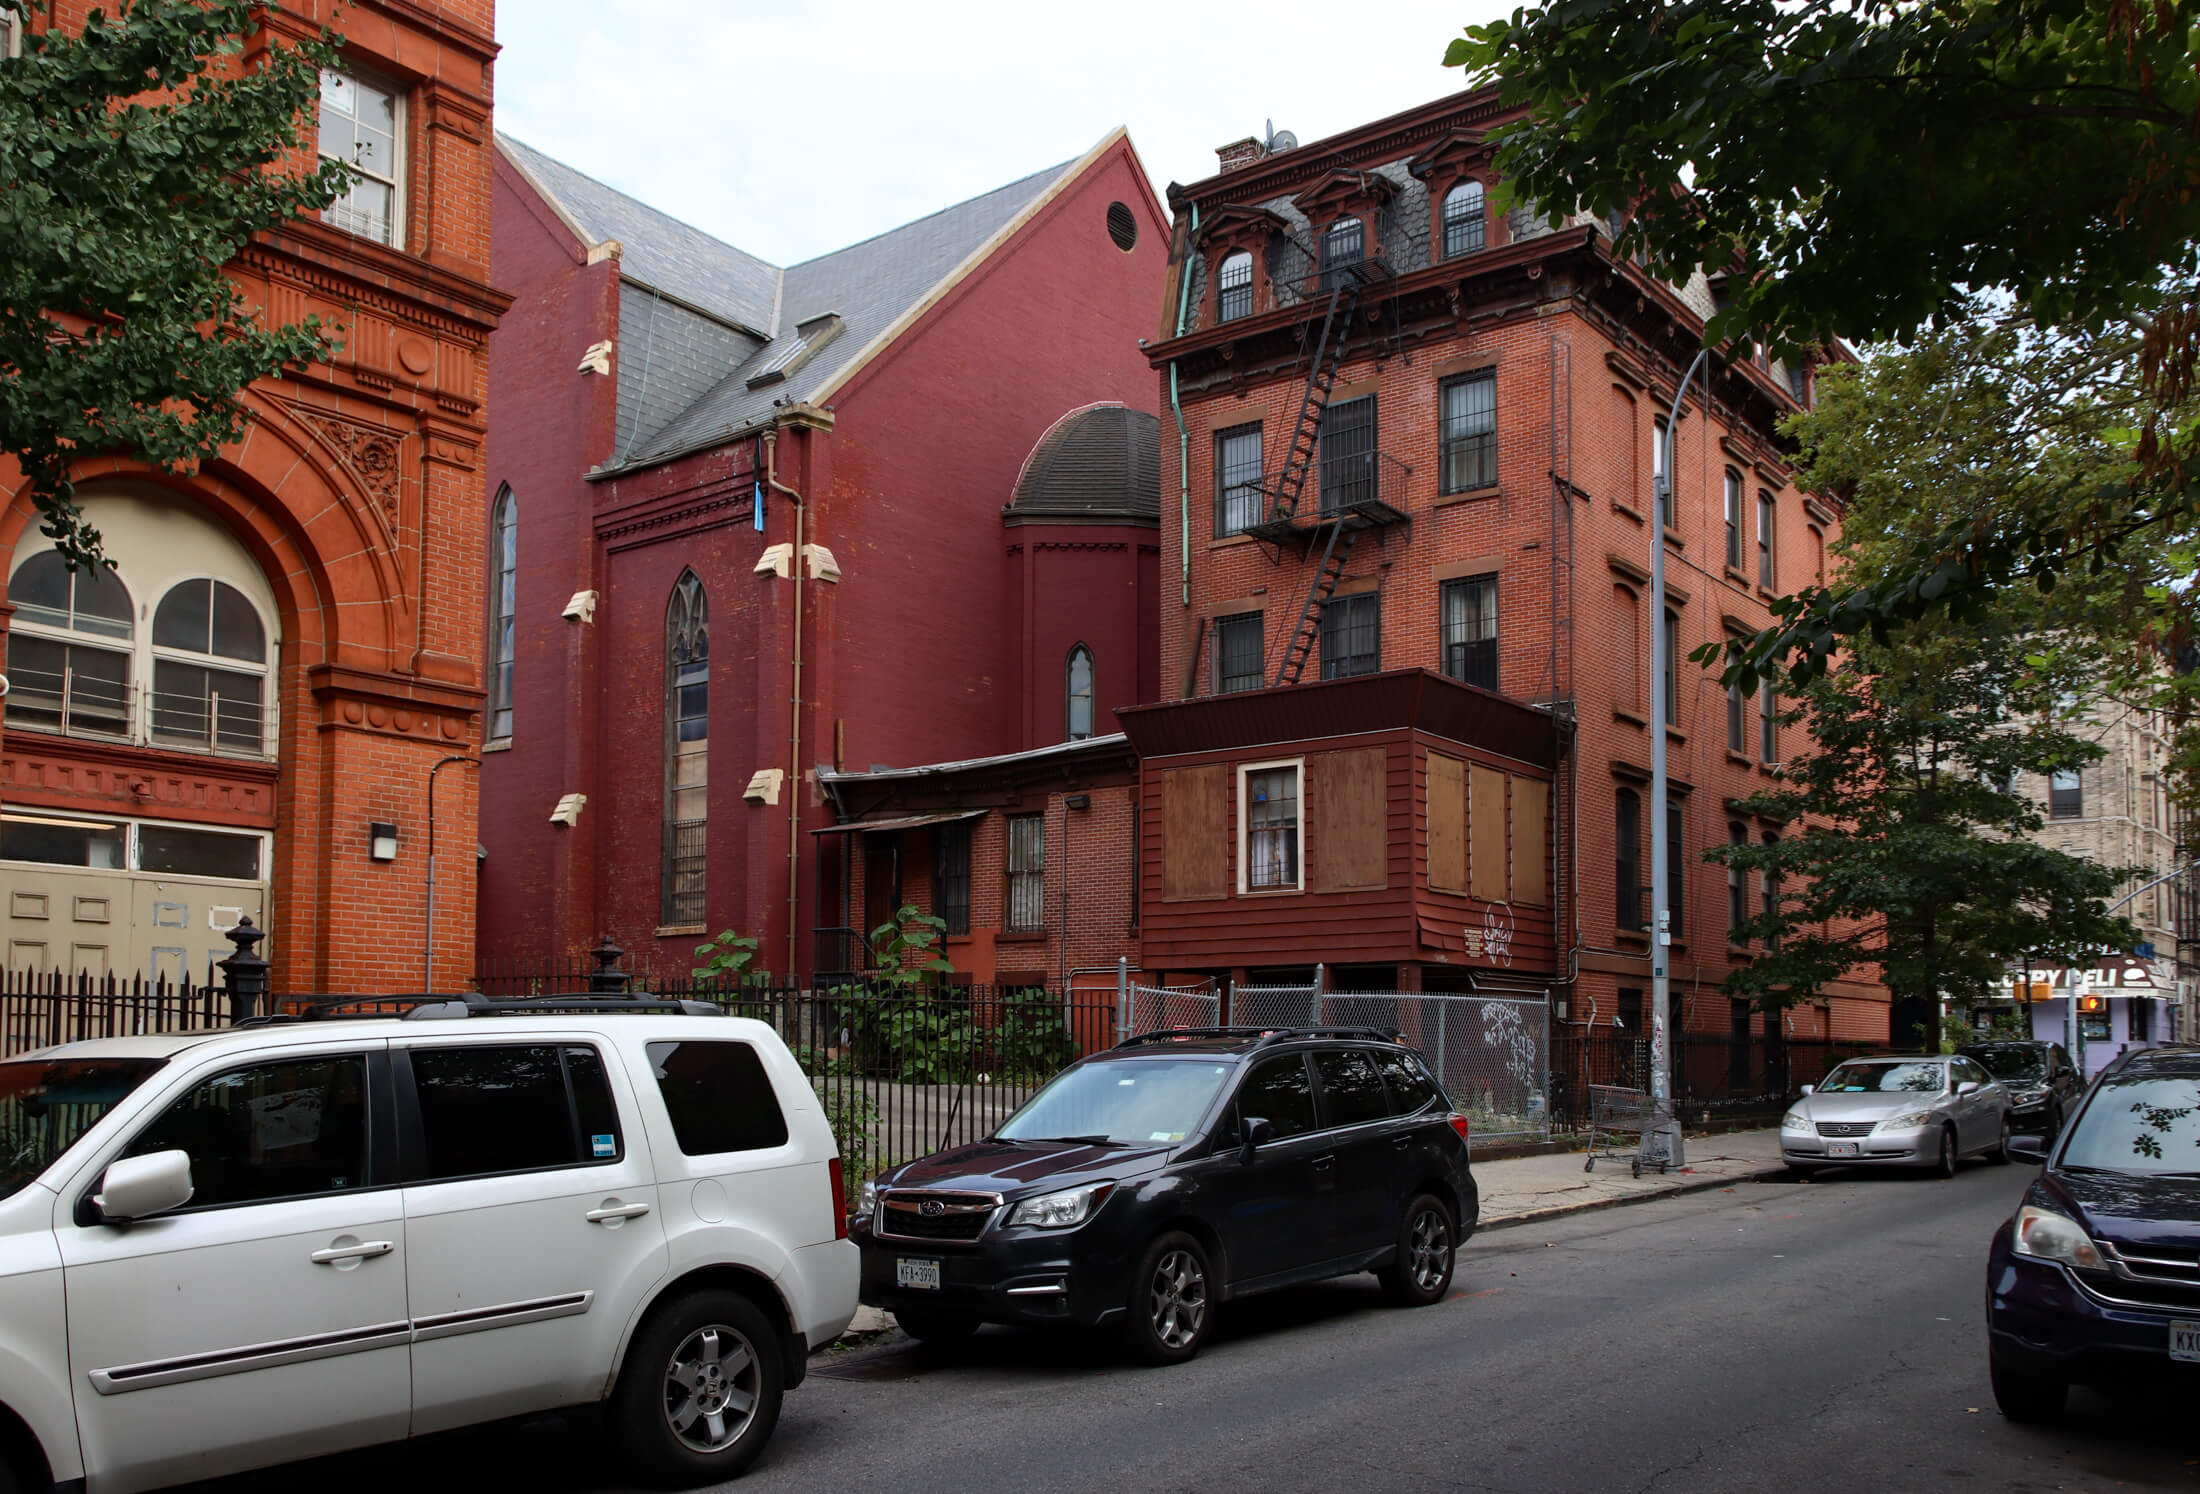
x=899 y=822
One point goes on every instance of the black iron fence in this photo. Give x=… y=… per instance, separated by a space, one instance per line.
x=41 y=1008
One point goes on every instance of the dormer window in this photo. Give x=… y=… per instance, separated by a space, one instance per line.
x=360 y=126
x=1234 y=287
x=1343 y=246
x=1465 y=222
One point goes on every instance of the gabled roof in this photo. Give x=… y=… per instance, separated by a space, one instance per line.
x=874 y=288
x=656 y=249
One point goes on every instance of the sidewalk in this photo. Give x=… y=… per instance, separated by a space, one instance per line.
x=1527 y=1190
x=1523 y=1190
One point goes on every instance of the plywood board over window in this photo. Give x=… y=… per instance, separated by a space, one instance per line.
x=1486 y=834
x=1531 y=808
x=1447 y=824
x=1348 y=840
x=1195 y=833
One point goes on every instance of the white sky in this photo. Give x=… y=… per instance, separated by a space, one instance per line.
x=791 y=129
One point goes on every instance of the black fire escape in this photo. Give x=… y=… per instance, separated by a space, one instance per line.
x=1360 y=487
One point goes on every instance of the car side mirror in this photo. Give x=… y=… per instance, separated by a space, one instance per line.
x=2032 y=1149
x=1257 y=1133
x=138 y=1187
x=1807 y=1089
x=1968 y=1087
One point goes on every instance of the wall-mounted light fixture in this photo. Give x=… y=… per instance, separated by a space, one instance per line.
x=1078 y=801
x=381 y=841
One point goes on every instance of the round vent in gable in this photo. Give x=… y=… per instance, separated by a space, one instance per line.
x=1122 y=227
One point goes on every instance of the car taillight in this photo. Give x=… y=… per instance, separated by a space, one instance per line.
x=1459 y=1124
x=840 y=1202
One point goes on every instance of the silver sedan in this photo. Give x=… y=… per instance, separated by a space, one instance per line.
x=1897 y=1112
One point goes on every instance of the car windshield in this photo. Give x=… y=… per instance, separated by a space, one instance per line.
x=1854 y=1078
x=46 y=1105
x=1143 y=1101
x=2009 y=1063
x=2143 y=1123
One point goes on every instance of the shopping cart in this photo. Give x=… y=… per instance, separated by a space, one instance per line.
x=1617 y=1114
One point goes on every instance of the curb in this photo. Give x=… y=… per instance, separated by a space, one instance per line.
x=1621 y=1200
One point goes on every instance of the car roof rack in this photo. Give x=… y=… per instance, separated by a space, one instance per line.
x=463 y=1005
x=1253 y=1037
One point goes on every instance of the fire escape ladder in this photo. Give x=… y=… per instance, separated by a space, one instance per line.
x=1326 y=577
x=1306 y=438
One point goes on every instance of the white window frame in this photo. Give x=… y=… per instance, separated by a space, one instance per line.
x=11 y=37
x=130 y=826
x=1244 y=826
x=399 y=148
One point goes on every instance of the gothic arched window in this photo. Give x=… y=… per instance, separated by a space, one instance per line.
x=1078 y=689
x=503 y=598
x=687 y=750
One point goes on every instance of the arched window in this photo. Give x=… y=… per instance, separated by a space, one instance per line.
x=1234 y=287
x=1627 y=856
x=1464 y=220
x=687 y=751
x=503 y=599
x=1344 y=245
x=198 y=679
x=209 y=669
x=1077 y=685
x=78 y=682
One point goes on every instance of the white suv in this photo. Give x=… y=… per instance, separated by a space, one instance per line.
x=223 y=1250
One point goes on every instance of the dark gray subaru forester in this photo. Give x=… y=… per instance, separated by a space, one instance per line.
x=1176 y=1171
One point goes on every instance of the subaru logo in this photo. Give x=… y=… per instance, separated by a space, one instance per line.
x=931 y=1208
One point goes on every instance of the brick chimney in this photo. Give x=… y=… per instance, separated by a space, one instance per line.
x=1238 y=154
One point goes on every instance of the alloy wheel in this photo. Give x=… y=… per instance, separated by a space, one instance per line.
x=1429 y=1251
x=710 y=1388
x=1178 y=1299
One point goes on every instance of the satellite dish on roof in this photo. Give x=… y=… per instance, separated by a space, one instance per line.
x=1279 y=140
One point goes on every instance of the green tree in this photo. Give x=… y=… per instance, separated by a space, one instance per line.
x=136 y=160
x=1904 y=851
x=1858 y=167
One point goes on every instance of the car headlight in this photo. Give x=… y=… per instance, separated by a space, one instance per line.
x=2028 y=1096
x=867 y=1199
x=1064 y=1210
x=2049 y=1236
x=1795 y=1120
x=1912 y=1121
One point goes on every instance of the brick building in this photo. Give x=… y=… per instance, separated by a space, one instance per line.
x=247 y=716
x=753 y=527
x=1420 y=439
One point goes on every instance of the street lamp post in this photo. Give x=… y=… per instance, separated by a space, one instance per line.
x=1661 y=1140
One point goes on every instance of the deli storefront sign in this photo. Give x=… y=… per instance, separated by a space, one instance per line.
x=2129 y=977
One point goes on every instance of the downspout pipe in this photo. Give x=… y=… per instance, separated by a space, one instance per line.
x=794 y=707
x=427 y=943
x=1183 y=437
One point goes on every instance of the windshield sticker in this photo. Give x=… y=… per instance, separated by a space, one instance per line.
x=1166 y=1136
x=606 y=1146
x=1125 y=1083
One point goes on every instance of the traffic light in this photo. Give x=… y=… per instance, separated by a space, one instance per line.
x=2092 y=1004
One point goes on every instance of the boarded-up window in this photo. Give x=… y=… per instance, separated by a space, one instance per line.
x=1531 y=831
x=1486 y=834
x=1447 y=824
x=1348 y=840
x=1195 y=833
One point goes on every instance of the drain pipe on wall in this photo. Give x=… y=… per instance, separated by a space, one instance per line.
x=794 y=710
x=1183 y=437
x=427 y=943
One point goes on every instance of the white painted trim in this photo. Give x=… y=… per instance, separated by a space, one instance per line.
x=1244 y=770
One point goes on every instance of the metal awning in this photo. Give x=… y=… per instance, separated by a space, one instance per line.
x=899 y=822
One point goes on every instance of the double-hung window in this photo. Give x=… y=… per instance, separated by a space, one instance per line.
x=1765 y=516
x=1469 y=432
x=362 y=127
x=1238 y=502
x=1465 y=221
x=1768 y=723
x=1348 y=453
x=1470 y=630
x=951 y=876
x=1268 y=827
x=1737 y=726
x=1733 y=519
x=1343 y=246
x=2066 y=795
x=1234 y=287
x=1670 y=665
x=1676 y=862
x=1627 y=857
x=1238 y=653
x=1737 y=888
x=1352 y=635
x=1027 y=873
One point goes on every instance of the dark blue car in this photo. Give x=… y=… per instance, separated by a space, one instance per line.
x=2096 y=1279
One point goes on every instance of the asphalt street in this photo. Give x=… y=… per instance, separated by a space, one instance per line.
x=1796 y=1337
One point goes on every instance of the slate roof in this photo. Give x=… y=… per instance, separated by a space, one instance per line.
x=868 y=285
x=1104 y=460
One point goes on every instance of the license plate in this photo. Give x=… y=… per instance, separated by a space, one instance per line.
x=1844 y=1149
x=923 y=1275
x=2184 y=1342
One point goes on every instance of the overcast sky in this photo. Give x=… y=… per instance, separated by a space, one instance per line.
x=793 y=129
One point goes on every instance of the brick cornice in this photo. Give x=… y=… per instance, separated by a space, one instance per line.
x=347 y=267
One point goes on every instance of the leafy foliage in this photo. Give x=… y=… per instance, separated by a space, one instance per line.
x=1857 y=168
x=907 y=949
x=136 y=160
x=1905 y=848
x=726 y=961
x=853 y=1116
x=1031 y=1040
